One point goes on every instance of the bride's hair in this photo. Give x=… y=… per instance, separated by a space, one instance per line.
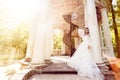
x=86 y=30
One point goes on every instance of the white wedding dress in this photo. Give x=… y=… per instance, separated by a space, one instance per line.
x=83 y=62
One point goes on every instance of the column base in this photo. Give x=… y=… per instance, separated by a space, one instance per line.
x=48 y=62
x=38 y=65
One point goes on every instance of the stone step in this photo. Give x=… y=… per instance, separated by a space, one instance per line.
x=109 y=75
x=57 y=77
x=58 y=68
x=63 y=68
x=59 y=72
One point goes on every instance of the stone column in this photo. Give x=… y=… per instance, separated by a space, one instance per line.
x=63 y=48
x=92 y=23
x=41 y=27
x=101 y=40
x=108 y=42
x=48 y=48
x=29 y=48
x=38 y=49
x=31 y=39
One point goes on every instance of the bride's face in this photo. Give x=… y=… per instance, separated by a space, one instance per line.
x=86 y=31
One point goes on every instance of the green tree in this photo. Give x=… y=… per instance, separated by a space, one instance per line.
x=115 y=27
x=13 y=38
x=4 y=43
x=19 y=39
x=57 y=38
x=114 y=18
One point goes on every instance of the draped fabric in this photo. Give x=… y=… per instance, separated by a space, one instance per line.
x=92 y=24
x=83 y=62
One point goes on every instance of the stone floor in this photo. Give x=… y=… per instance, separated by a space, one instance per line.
x=7 y=72
x=59 y=70
x=57 y=77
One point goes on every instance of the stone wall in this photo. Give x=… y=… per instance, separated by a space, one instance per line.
x=67 y=7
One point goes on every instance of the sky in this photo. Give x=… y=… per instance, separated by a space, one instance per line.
x=14 y=11
x=18 y=8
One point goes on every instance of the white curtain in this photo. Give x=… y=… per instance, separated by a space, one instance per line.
x=91 y=23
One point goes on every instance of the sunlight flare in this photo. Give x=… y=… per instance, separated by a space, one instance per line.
x=14 y=12
x=21 y=9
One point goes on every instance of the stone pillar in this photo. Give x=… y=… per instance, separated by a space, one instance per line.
x=63 y=48
x=48 y=48
x=31 y=39
x=92 y=23
x=108 y=42
x=101 y=36
x=29 y=48
x=101 y=40
x=38 y=49
x=41 y=27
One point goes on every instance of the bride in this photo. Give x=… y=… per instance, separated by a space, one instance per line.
x=82 y=60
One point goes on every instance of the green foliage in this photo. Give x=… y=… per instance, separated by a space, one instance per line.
x=113 y=39
x=117 y=19
x=20 y=37
x=14 y=38
x=57 y=38
x=114 y=22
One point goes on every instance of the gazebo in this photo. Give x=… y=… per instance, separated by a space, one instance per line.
x=92 y=14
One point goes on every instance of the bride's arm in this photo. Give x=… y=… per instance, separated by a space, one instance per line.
x=81 y=32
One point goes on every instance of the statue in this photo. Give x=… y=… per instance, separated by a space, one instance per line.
x=68 y=39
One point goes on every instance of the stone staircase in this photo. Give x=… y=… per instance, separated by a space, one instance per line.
x=62 y=68
x=59 y=70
